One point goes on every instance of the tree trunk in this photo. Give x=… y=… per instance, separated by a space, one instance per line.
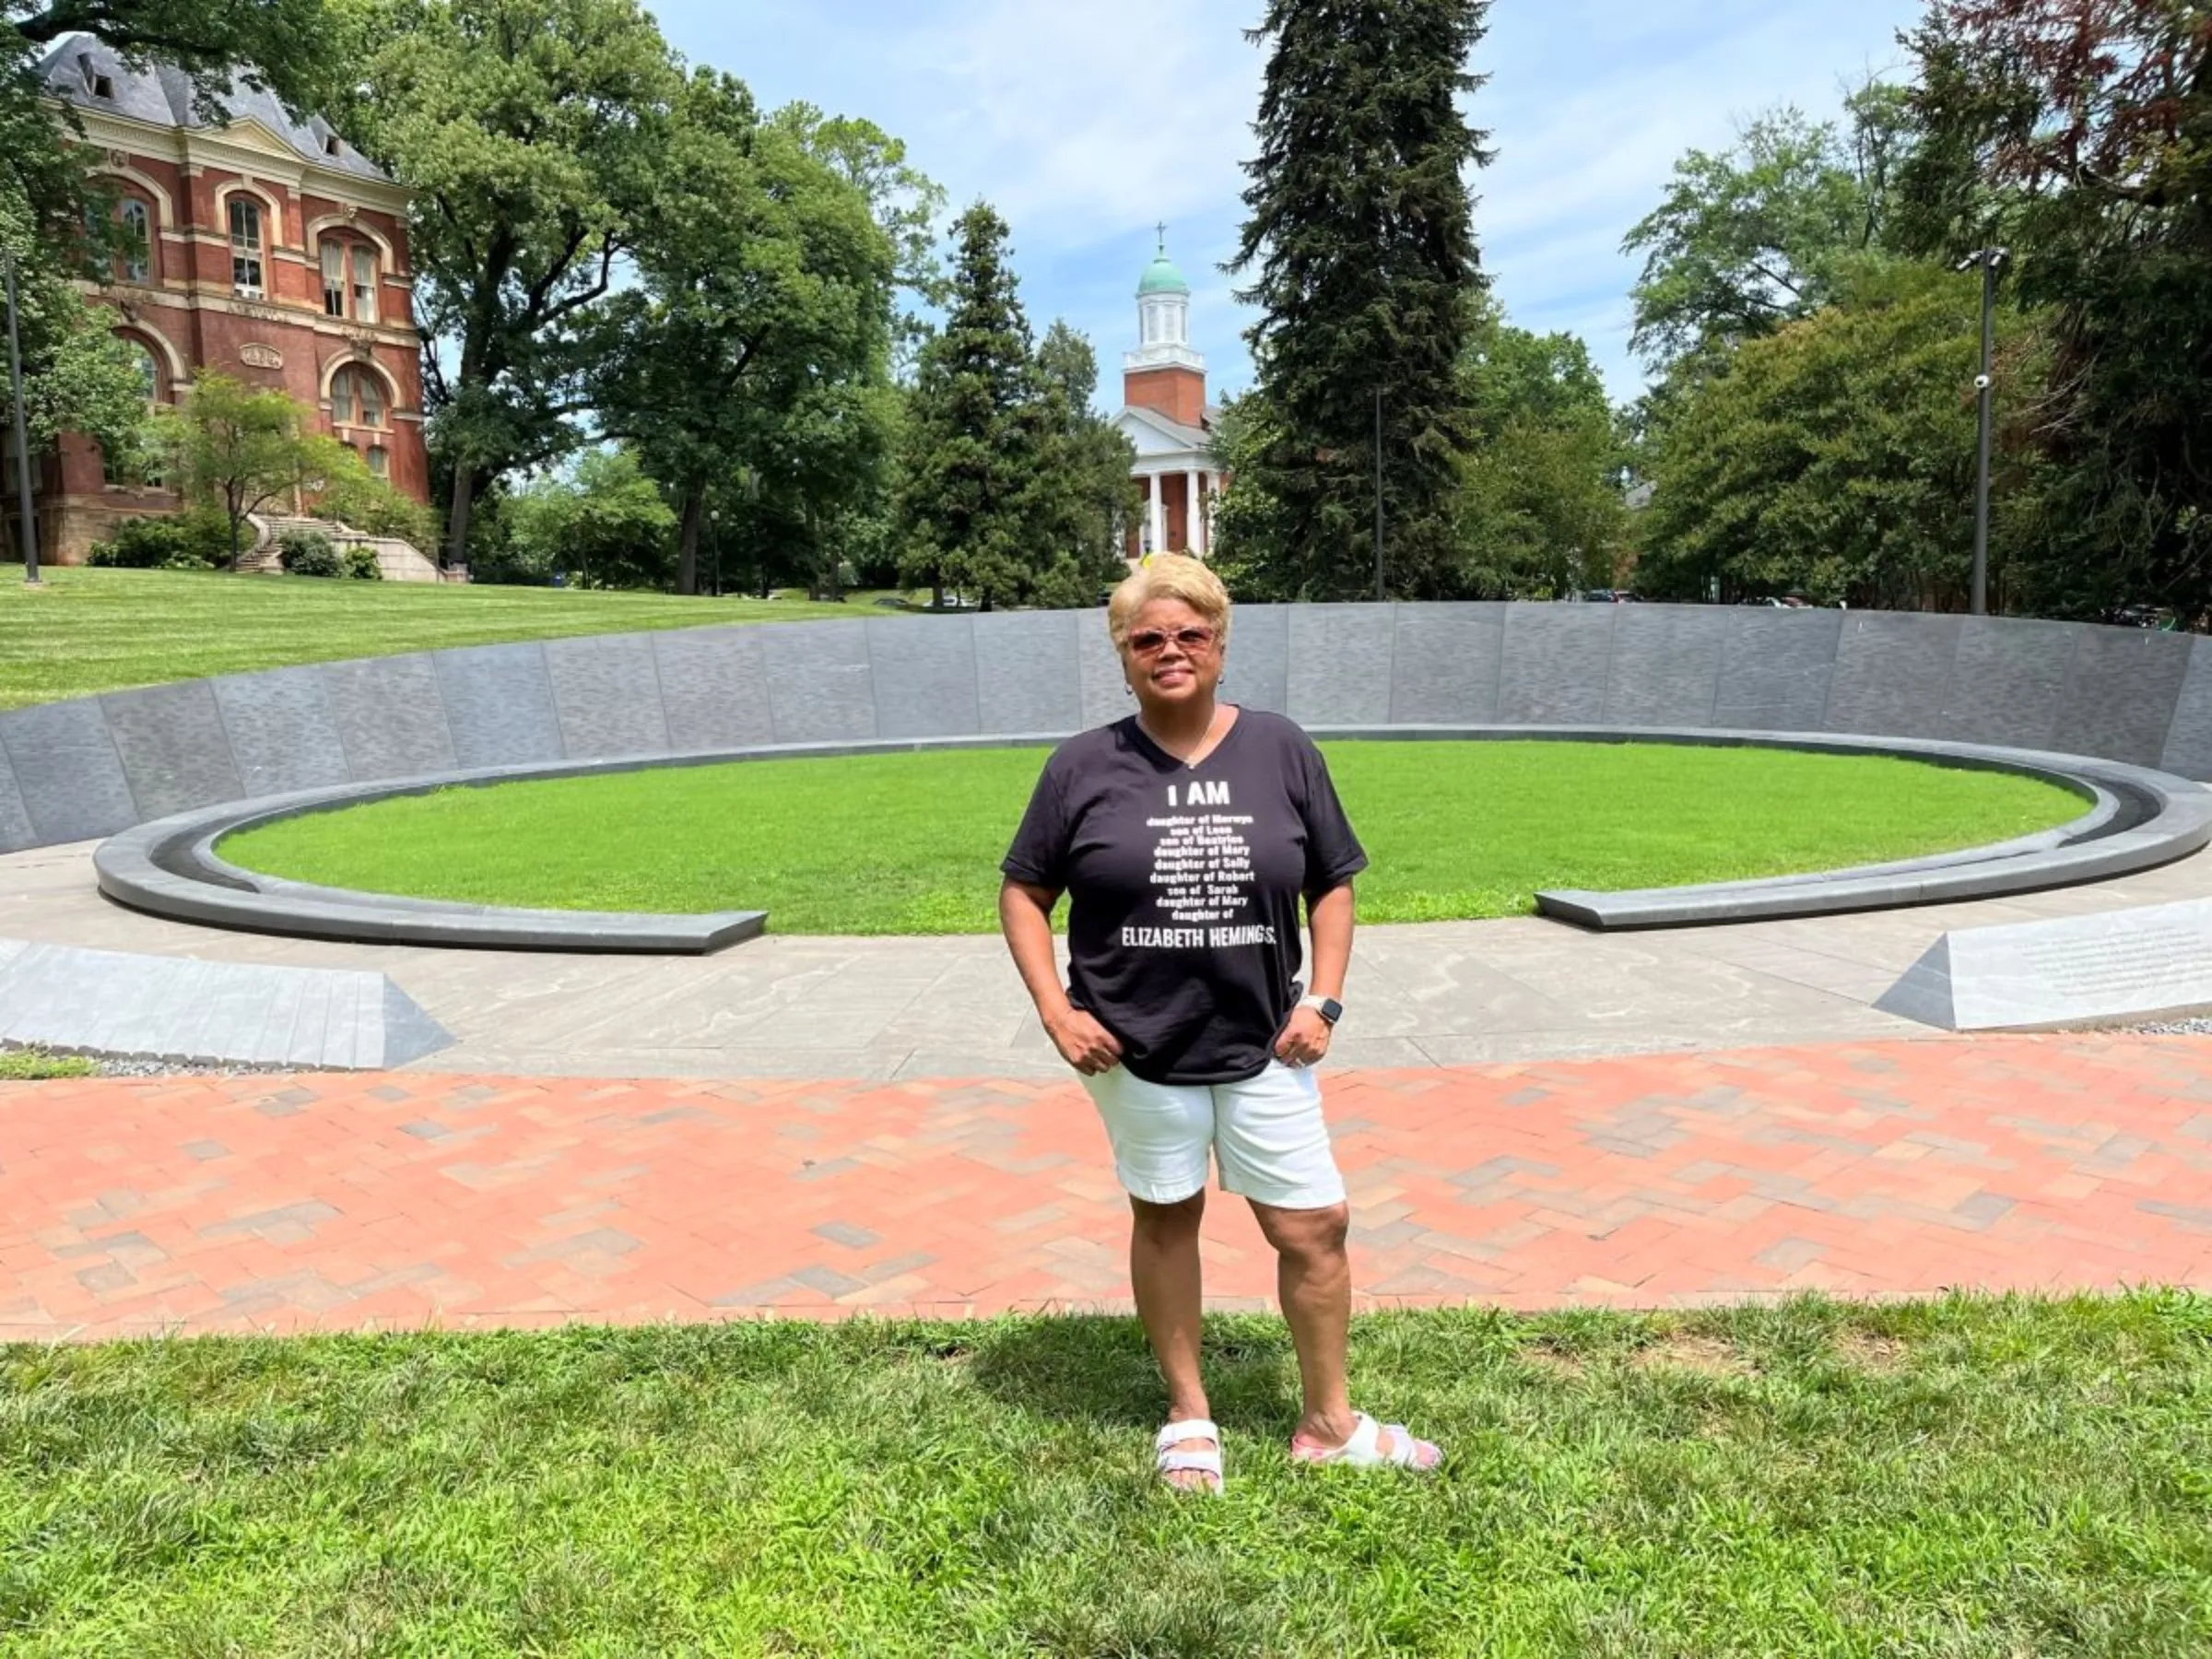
x=687 y=557
x=456 y=536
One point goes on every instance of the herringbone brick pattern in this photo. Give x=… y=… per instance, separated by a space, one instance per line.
x=347 y=1202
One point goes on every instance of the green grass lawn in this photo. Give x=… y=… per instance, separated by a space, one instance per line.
x=88 y=631
x=1972 y=1479
x=910 y=843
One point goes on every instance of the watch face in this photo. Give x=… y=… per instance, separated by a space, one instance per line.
x=1331 y=1010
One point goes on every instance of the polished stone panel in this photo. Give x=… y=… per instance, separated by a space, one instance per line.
x=499 y=702
x=2121 y=688
x=608 y=695
x=67 y=773
x=2009 y=679
x=1558 y=658
x=1105 y=689
x=1257 y=675
x=1340 y=663
x=1775 y=669
x=1893 y=671
x=713 y=688
x=922 y=669
x=15 y=832
x=1028 y=675
x=1665 y=664
x=2189 y=739
x=389 y=717
x=1445 y=663
x=281 y=733
x=174 y=750
x=818 y=684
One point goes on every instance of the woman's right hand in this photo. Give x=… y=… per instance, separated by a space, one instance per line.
x=1083 y=1043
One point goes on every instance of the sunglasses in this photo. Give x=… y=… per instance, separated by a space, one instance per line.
x=1151 y=642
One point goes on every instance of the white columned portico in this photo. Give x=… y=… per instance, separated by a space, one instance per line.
x=1155 y=504
x=1193 y=535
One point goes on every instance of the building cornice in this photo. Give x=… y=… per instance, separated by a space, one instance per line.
x=246 y=146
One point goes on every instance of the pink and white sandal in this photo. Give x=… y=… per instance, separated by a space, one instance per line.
x=1169 y=1459
x=1364 y=1449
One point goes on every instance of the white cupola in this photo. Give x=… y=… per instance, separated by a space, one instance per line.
x=1163 y=317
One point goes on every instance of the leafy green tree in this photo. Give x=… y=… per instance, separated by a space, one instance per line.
x=766 y=281
x=904 y=201
x=1764 y=232
x=603 y=520
x=2079 y=134
x=1539 y=510
x=1085 y=491
x=974 y=433
x=532 y=133
x=1360 y=241
x=1836 y=455
x=236 y=450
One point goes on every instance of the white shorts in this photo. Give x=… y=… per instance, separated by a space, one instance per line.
x=1267 y=1133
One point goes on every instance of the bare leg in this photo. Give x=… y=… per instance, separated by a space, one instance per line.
x=1164 y=1271
x=1314 y=1279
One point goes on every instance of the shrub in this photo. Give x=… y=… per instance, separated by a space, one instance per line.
x=309 y=553
x=183 y=541
x=361 y=564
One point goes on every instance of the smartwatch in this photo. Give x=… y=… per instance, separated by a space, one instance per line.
x=1328 y=1007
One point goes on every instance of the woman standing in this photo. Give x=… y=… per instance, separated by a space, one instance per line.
x=1184 y=836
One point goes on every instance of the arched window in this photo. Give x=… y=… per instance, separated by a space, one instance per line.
x=136 y=465
x=135 y=262
x=246 y=245
x=348 y=279
x=357 y=397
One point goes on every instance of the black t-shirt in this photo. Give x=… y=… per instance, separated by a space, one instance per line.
x=1183 y=884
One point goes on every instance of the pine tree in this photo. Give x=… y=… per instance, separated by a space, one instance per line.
x=972 y=432
x=1359 y=233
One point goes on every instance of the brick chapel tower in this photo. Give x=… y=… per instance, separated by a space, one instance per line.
x=1166 y=415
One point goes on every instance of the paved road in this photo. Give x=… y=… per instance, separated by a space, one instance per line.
x=344 y=1201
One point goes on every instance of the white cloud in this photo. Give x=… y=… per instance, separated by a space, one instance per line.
x=1084 y=121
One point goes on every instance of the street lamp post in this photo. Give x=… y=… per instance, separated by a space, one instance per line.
x=1989 y=259
x=15 y=381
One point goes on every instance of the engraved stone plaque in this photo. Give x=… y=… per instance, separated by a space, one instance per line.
x=2061 y=971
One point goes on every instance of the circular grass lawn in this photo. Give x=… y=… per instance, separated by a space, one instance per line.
x=910 y=843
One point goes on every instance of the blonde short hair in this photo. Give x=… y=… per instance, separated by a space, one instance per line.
x=1168 y=576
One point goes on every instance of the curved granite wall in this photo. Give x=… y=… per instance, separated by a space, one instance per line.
x=82 y=769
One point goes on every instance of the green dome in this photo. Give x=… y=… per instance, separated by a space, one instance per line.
x=1162 y=278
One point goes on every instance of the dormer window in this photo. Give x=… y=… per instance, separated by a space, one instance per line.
x=331 y=144
x=97 y=84
x=246 y=245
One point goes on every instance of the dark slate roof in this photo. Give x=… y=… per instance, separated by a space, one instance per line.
x=160 y=95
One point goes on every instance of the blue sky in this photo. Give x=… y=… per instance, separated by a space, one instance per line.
x=1086 y=122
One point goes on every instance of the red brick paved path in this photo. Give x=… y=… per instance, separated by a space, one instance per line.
x=347 y=1202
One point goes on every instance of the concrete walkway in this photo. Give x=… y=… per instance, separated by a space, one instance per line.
x=1445 y=993
x=344 y=1202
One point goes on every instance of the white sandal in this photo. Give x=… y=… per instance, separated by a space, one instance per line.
x=1168 y=1459
x=1363 y=1449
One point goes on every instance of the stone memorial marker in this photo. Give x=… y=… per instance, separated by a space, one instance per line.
x=2069 y=969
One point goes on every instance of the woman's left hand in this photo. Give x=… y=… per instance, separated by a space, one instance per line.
x=1304 y=1039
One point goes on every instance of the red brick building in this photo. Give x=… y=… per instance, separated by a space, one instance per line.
x=1166 y=416
x=267 y=247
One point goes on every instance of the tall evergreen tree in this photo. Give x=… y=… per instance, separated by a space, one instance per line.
x=972 y=430
x=1085 y=491
x=1360 y=236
